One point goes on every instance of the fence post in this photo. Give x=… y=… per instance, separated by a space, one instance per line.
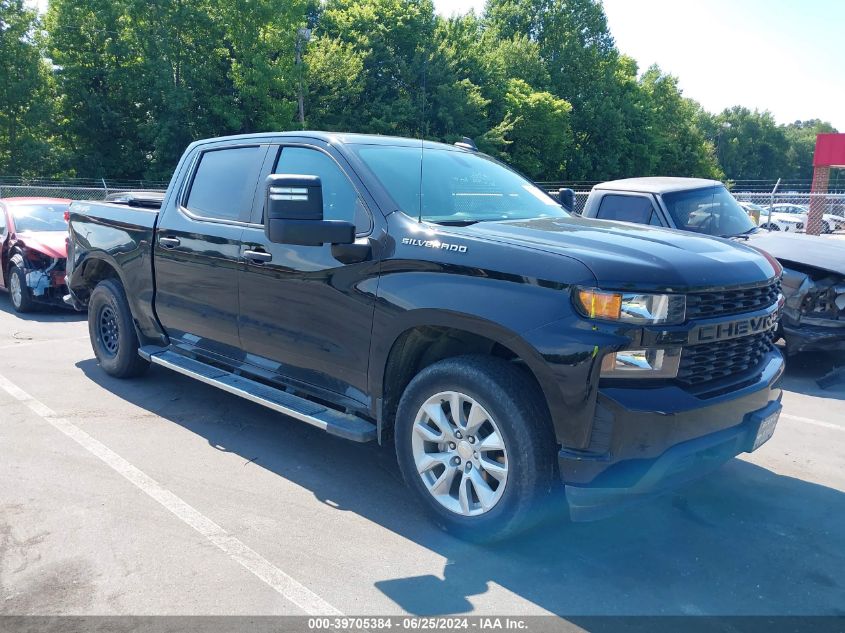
x=772 y=205
x=105 y=188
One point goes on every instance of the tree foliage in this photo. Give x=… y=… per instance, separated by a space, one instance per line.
x=118 y=88
x=26 y=114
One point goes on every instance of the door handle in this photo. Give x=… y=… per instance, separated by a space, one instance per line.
x=258 y=257
x=169 y=242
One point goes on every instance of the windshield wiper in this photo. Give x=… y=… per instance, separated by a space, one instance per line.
x=745 y=234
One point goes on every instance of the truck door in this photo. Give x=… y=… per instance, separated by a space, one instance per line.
x=197 y=252
x=305 y=315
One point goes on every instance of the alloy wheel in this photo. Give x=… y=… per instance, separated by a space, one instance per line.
x=459 y=453
x=15 y=290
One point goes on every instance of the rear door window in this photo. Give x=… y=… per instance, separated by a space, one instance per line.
x=224 y=183
x=636 y=209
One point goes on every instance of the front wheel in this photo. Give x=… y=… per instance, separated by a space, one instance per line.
x=475 y=445
x=112 y=331
x=19 y=293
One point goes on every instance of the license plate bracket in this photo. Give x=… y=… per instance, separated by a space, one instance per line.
x=765 y=429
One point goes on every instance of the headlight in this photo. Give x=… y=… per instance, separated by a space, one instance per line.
x=642 y=363
x=631 y=307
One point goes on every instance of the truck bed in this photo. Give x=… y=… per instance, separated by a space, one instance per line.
x=123 y=236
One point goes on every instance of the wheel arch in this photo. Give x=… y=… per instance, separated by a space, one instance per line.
x=424 y=337
x=91 y=271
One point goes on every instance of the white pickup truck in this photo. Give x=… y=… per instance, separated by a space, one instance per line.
x=813 y=282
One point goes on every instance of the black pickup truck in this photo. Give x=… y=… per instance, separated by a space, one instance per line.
x=388 y=289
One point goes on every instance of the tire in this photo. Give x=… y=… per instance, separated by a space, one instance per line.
x=826 y=227
x=503 y=488
x=112 y=331
x=19 y=294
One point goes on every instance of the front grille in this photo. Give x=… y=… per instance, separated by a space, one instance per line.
x=705 y=305
x=711 y=361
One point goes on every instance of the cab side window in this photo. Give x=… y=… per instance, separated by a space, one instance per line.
x=340 y=199
x=224 y=182
x=636 y=209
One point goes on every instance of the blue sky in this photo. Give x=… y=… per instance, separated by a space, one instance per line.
x=786 y=56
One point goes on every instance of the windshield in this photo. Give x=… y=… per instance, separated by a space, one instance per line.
x=40 y=217
x=712 y=211
x=457 y=187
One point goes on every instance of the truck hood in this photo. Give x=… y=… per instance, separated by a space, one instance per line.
x=50 y=243
x=818 y=252
x=623 y=255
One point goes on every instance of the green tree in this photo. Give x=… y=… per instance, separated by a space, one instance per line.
x=677 y=146
x=393 y=40
x=801 y=136
x=584 y=69
x=141 y=79
x=335 y=84
x=26 y=95
x=535 y=132
x=261 y=40
x=749 y=145
x=98 y=75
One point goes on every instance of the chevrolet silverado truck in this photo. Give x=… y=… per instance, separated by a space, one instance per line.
x=813 y=316
x=426 y=295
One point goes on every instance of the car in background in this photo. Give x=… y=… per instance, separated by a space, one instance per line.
x=760 y=217
x=33 y=251
x=813 y=283
x=785 y=210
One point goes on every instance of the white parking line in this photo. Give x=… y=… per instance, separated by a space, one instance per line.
x=798 y=418
x=281 y=582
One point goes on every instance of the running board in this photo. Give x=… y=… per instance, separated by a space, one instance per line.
x=343 y=425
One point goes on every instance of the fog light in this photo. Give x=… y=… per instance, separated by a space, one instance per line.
x=642 y=363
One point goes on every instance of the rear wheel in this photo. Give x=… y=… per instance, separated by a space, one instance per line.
x=826 y=227
x=475 y=445
x=19 y=293
x=112 y=331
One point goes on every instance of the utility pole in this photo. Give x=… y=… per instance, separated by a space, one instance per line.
x=303 y=35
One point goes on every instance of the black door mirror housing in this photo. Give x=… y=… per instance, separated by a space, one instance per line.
x=566 y=197
x=293 y=211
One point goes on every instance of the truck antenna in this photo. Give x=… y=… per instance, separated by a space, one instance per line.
x=422 y=139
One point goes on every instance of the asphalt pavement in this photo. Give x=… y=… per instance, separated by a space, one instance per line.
x=163 y=496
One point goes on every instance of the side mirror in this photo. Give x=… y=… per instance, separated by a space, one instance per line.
x=294 y=213
x=567 y=199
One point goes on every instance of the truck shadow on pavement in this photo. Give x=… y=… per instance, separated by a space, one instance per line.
x=743 y=541
x=43 y=314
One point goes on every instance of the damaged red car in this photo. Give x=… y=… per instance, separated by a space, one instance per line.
x=33 y=251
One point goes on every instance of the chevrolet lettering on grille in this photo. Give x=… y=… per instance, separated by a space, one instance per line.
x=734 y=329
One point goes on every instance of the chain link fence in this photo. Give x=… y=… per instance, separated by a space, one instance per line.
x=73 y=189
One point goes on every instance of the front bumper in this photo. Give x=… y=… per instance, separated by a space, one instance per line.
x=650 y=441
